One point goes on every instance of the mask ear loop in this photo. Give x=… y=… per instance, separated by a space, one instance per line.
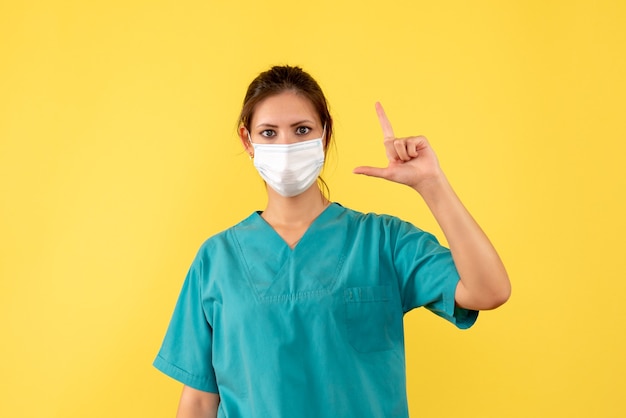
x=251 y=156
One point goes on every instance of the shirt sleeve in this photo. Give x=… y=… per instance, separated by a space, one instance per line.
x=428 y=276
x=186 y=352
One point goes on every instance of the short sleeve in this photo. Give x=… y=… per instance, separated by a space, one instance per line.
x=428 y=276
x=186 y=352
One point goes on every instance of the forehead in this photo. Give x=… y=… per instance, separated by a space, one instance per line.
x=284 y=108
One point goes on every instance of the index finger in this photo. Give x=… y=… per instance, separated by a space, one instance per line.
x=384 y=122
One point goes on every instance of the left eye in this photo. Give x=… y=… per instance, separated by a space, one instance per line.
x=303 y=130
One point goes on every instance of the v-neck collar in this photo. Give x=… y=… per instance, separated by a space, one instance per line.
x=277 y=271
x=319 y=217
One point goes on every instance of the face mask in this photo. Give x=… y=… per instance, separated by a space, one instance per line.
x=289 y=169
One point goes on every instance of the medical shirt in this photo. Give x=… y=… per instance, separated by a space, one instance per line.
x=313 y=331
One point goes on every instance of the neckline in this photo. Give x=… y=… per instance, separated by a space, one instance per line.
x=275 y=271
x=328 y=211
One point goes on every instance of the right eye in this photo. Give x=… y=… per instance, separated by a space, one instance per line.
x=268 y=133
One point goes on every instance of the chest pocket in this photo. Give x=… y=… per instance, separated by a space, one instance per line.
x=370 y=318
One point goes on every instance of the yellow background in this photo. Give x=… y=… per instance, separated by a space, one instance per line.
x=118 y=157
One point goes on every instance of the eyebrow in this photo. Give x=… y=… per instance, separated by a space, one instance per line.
x=269 y=125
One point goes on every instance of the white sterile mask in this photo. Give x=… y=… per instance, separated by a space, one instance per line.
x=289 y=169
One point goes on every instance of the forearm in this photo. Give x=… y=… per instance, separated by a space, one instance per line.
x=197 y=404
x=484 y=282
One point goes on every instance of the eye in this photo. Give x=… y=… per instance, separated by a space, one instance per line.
x=303 y=130
x=268 y=133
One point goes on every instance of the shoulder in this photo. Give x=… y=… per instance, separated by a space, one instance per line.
x=224 y=240
x=388 y=232
x=383 y=221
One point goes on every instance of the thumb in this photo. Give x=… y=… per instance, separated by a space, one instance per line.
x=371 y=171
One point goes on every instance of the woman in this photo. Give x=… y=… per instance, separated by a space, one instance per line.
x=297 y=310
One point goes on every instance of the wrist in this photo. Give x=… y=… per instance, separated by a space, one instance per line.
x=433 y=187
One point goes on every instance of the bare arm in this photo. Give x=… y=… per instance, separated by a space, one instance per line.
x=197 y=404
x=484 y=282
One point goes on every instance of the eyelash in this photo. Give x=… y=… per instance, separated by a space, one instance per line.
x=303 y=127
x=269 y=133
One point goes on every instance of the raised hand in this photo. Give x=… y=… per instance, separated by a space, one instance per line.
x=411 y=160
x=484 y=282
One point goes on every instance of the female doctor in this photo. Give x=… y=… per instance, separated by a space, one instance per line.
x=297 y=310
